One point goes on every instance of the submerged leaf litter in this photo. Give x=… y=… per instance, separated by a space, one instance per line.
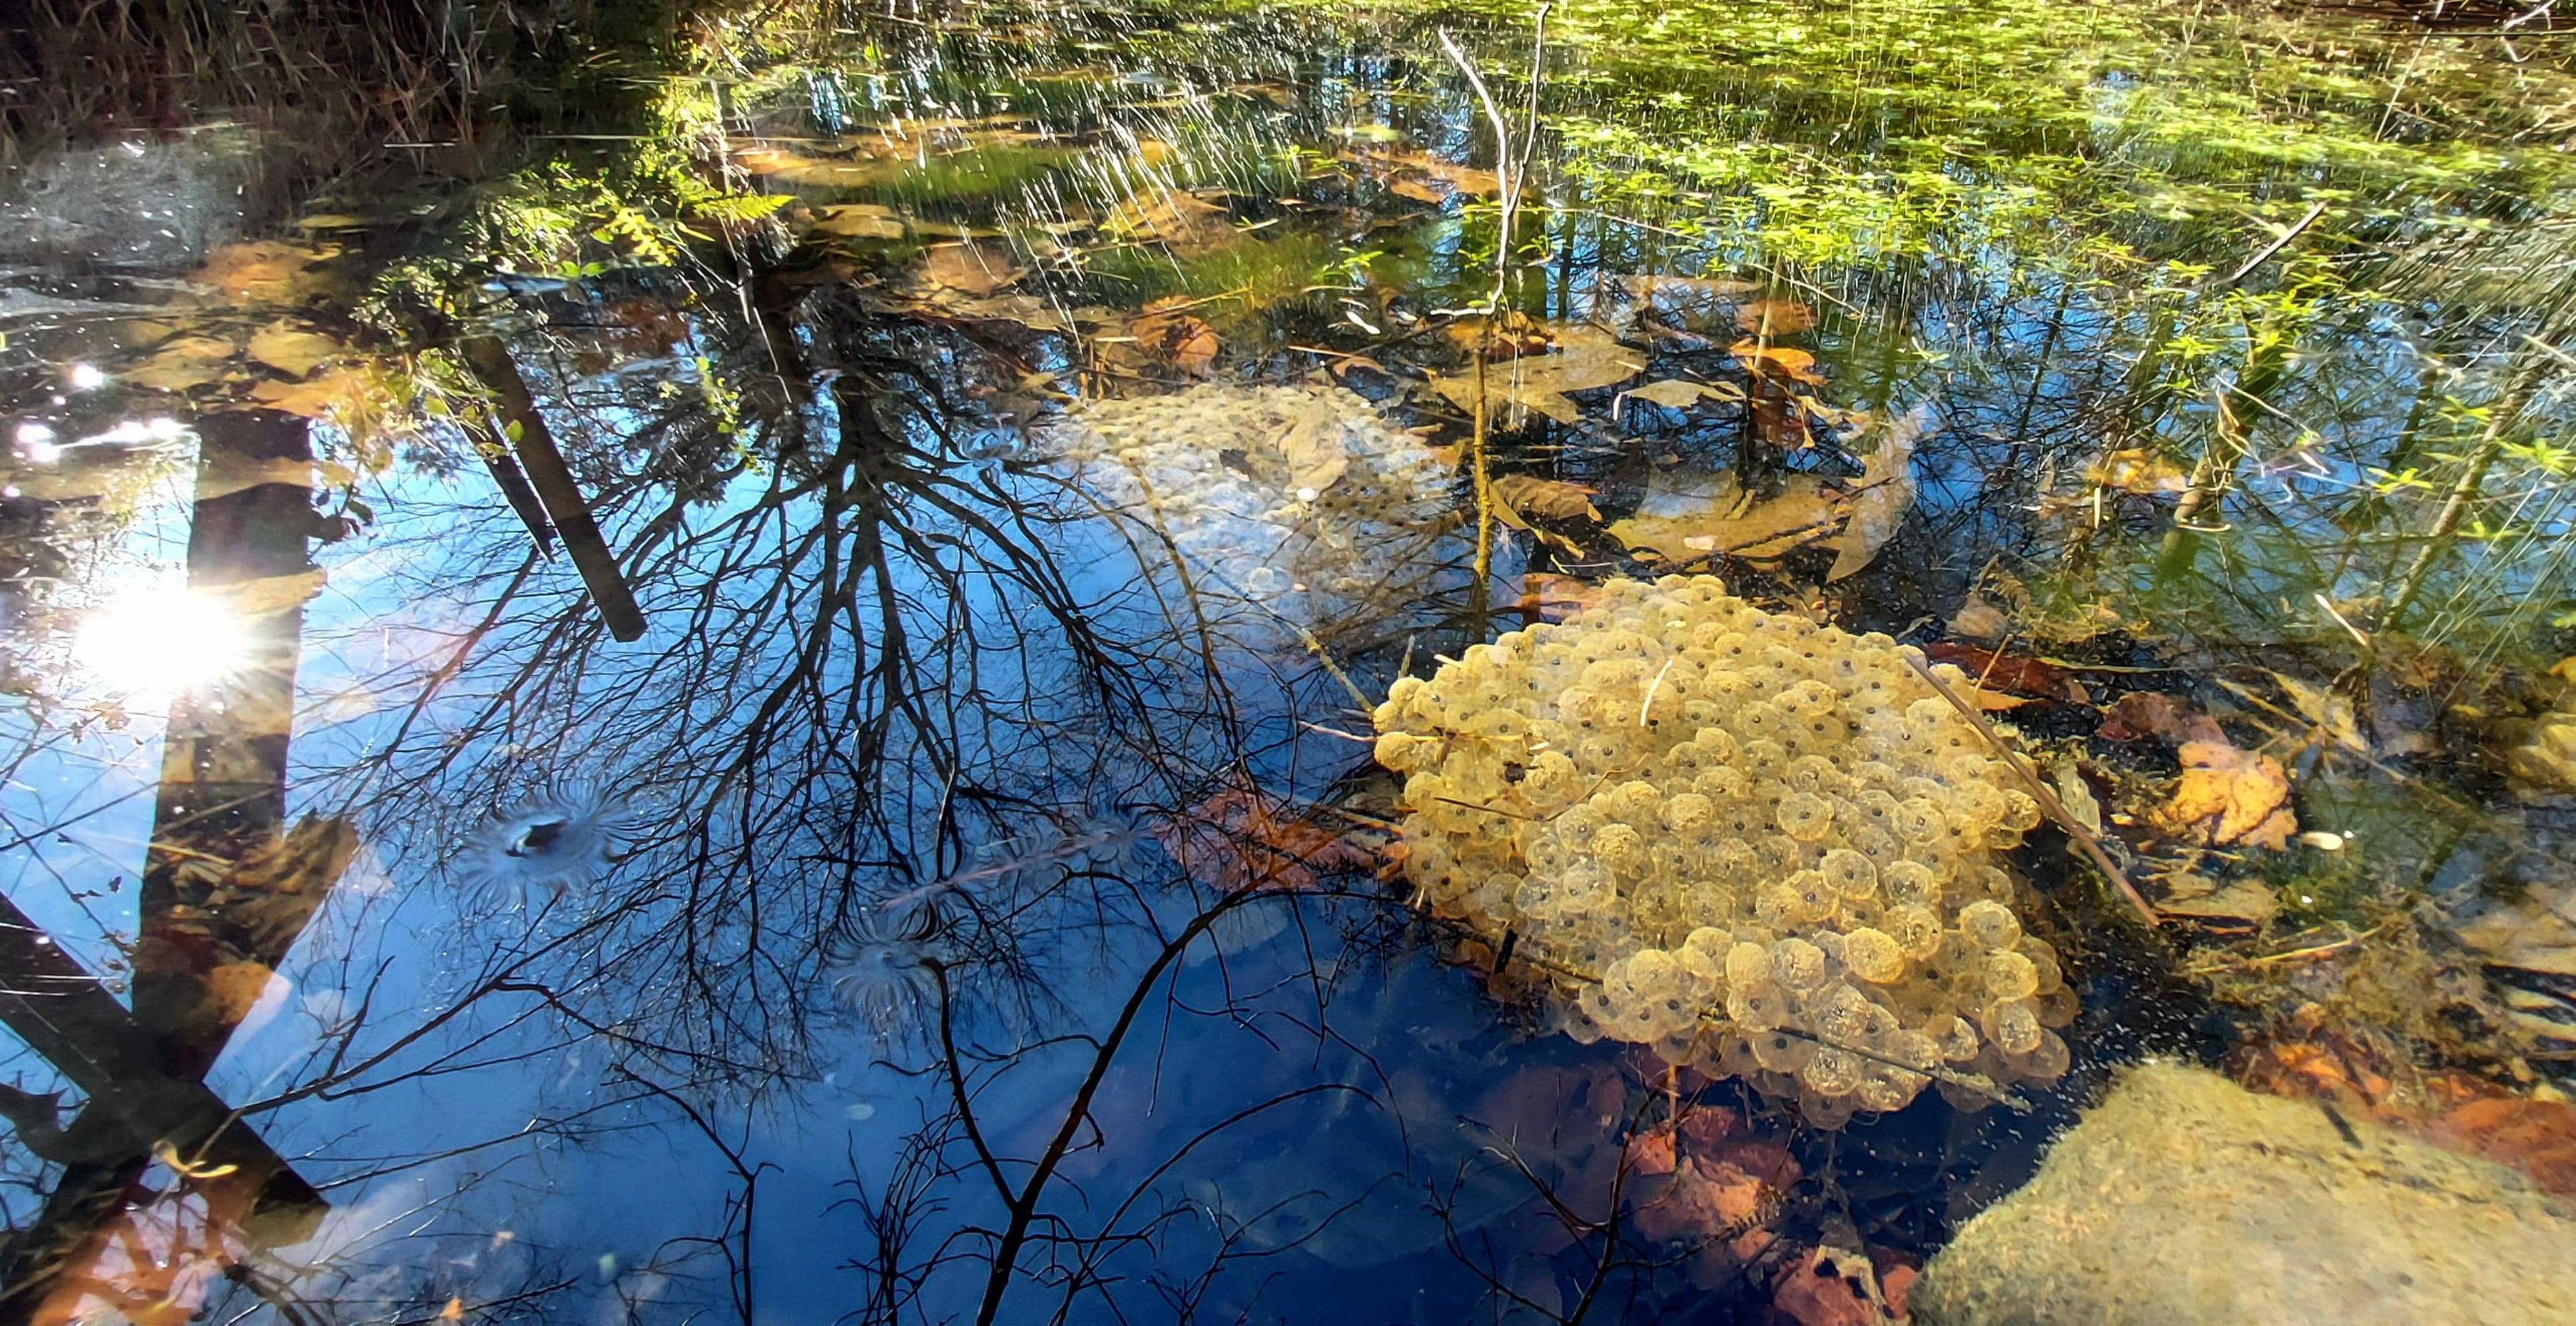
x=826 y=699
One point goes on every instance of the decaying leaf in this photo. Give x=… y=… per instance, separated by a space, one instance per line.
x=292 y=350
x=2241 y=904
x=189 y=361
x=348 y=394
x=2033 y=677
x=2536 y=934
x=2329 y=713
x=1704 y=1183
x=2229 y=796
x=1833 y=1287
x=1554 y=499
x=1422 y=177
x=1177 y=338
x=1312 y=444
x=858 y=171
x=267 y=271
x=2170 y=718
x=1556 y=597
x=1777 y=361
x=1690 y=516
x=1979 y=620
x=1025 y=311
x=1582 y=358
x=2077 y=796
x=971 y=269
x=2137 y=470
x=1184 y=223
x=1242 y=839
x=1508 y=336
x=1774 y=317
x=1884 y=496
x=1680 y=394
x=859 y=221
x=2537 y=1137
x=1698 y=303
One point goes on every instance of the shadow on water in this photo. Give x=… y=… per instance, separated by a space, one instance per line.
x=748 y=696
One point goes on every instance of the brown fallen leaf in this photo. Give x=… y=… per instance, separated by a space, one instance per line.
x=1183 y=223
x=292 y=350
x=2143 y=470
x=1690 y=516
x=1312 y=444
x=1554 y=499
x=1508 y=336
x=189 y=361
x=1343 y=367
x=858 y=170
x=1679 y=394
x=1425 y=178
x=1774 y=317
x=971 y=269
x=1720 y=1194
x=1884 y=495
x=2228 y=796
x=1832 y=1287
x=1777 y=420
x=2170 y=718
x=1696 y=303
x=1777 y=361
x=1581 y=357
x=1980 y=621
x=267 y=271
x=1242 y=839
x=859 y=221
x=2241 y=906
x=1421 y=190
x=2537 y=1137
x=1177 y=338
x=2010 y=672
x=2535 y=934
x=1555 y=597
x=2329 y=712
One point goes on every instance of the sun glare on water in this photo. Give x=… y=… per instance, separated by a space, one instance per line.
x=160 y=643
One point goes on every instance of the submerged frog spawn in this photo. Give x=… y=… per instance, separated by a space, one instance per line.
x=1762 y=846
x=1276 y=491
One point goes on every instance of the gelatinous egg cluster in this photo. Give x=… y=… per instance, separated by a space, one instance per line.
x=1280 y=495
x=1762 y=846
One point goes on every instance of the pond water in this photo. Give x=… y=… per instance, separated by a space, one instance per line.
x=734 y=667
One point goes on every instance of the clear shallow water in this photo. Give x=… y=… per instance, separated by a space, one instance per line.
x=969 y=857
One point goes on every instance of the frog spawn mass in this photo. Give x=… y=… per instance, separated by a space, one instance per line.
x=1762 y=846
x=1293 y=497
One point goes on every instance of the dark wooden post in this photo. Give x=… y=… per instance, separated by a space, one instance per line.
x=552 y=478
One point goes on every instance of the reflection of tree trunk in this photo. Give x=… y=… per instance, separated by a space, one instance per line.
x=75 y=1024
x=223 y=765
x=224 y=894
x=491 y=363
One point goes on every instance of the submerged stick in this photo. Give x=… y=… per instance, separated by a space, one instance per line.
x=2043 y=793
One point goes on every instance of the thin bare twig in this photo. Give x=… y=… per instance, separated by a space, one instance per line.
x=2040 y=791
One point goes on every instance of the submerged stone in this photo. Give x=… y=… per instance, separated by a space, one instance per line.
x=2187 y=1198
